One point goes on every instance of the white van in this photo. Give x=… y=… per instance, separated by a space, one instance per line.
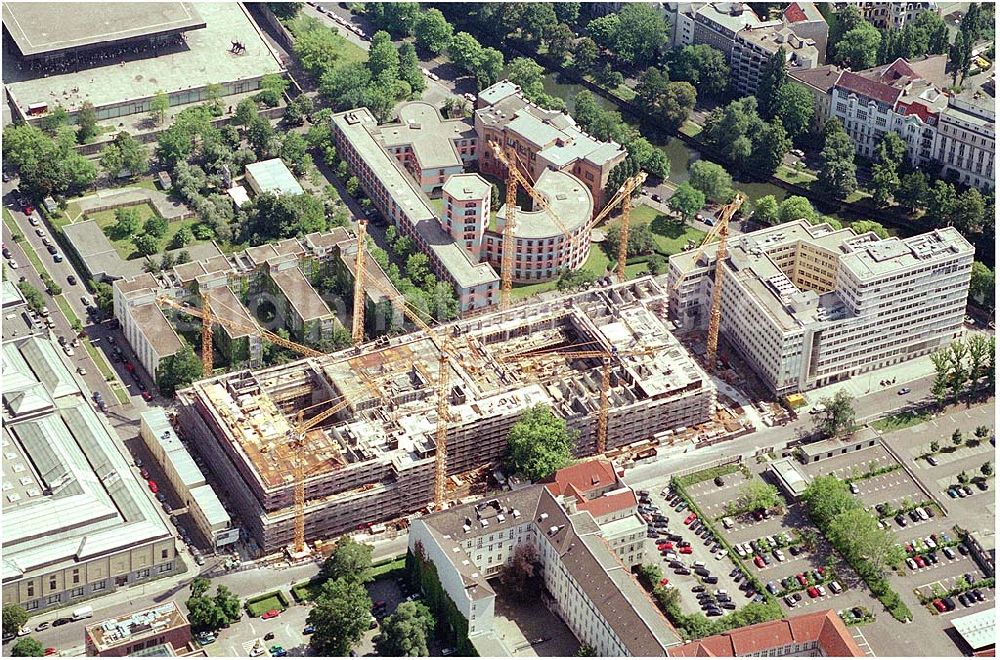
x=83 y=613
x=728 y=522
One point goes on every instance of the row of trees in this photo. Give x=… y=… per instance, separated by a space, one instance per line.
x=211 y=612
x=48 y=164
x=417 y=282
x=856 y=535
x=856 y=43
x=966 y=366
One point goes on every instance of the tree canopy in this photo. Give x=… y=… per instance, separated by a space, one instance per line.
x=27 y=647
x=340 y=617
x=47 y=165
x=538 y=444
x=14 y=616
x=837 y=174
x=432 y=31
x=712 y=180
x=349 y=560
x=687 y=201
x=178 y=370
x=839 y=415
x=206 y=612
x=704 y=67
x=406 y=631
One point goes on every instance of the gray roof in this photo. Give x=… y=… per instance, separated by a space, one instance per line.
x=979 y=629
x=91 y=503
x=414 y=204
x=586 y=557
x=275 y=177
x=300 y=294
x=156 y=329
x=498 y=91
x=432 y=138
x=568 y=198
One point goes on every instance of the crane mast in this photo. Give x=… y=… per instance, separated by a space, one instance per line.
x=358 y=321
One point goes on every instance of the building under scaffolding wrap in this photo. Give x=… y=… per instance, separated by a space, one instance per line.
x=374 y=459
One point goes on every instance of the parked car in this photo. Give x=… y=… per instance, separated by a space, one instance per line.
x=939 y=605
x=949 y=553
x=153 y=488
x=930 y=459
x=759 y=561
x=270 y=614
x=903 y=391
x=813 y=592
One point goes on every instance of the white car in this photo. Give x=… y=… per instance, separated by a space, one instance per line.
x=12 y=264
x=835 y=587
x=670 y=556
x=912 y=564
x=81 y=371
x=854 y=488
x=930 y=543
x=922 y=513
x=741 y=552
x=821 y=589
x=720 y=554
x=779 y=555
x=69 y=350
x=33 y=220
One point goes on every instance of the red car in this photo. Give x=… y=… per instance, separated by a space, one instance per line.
x=51 y=651
x=145 y=473
x=146 y=396
x=813 y=592
x=28 y=210
x=759 y=561
x=920 y=561
x=691 y=518
x=664 y=582
x=270 y=614
x=802 y=579
x=686 y=550
x=153 y=488
x=939 y=605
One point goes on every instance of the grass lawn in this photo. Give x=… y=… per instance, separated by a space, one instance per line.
x=66 y=309
x=690 y=129
x=272 y=601
x=857 y=196
x=8 y=220
x=901 y=421
x=794 y=176
x=124 y=246
x=597 y=264
x=29 y=251
x=669 y=235
x=437 y=205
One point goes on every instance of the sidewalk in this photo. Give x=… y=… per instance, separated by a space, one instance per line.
x=864 y=384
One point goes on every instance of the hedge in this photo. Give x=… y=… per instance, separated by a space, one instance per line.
x=260 y=604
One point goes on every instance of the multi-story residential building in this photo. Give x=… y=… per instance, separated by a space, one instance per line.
x=899 y=97
x=819 y=81
x=596 y=487
x=543 y=139
x=814 y=634
x=146 y=329
x=752 y=49
x=680 y=22
x=805 y=19
x=77 y=522
x=889 y=15
x=808 y=306
x=582 y=580
x=467 y=214
x=397 y=197
x=431 y=148
x=966 y=139
x=163 y=625
x=717 y=24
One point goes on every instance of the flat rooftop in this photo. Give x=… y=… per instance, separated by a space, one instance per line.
x=300 y=294
x=273 y=176
x=204 y=58
x=431 y=137
x=156 y=328
x=112 y=633
x=225 y=305
x=41 y=27
x=568 y=198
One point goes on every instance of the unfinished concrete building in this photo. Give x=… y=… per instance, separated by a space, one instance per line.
x=373 y=460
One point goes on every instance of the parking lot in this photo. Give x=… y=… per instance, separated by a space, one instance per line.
x=720 y=569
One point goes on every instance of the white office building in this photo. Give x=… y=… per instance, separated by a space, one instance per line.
x=808 y=305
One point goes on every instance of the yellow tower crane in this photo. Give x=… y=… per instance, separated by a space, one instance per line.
x=514 y=178
x=358 y=321
x=624 y=197
x=721 y=232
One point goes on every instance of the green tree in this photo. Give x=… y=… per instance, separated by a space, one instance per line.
x=86 y=120
x=586 y=54
x=856 y=531
x=128 y=222
x=124 y=153
x=284 y=10
x=687 y=201
x=941 y=200
x=838 y=173
x=795 y=208
x=272 y=88
x=27 y=647
x=865 y=226
x=14 y=617
x=409 y=68
x=158 y=106
x=982 y=286
x=755 y=494
x=441 y=302
x=294 y=151
x=859 y=48
x=204 y=612
x=317 y=49
x=711 y=179
x=406 y=631
x=340 y=617
x=146 y=244
x=987 y=469
x=935 y=446
x=538 y=444
x=827 y=497
x=432 y=31
x=529 y=75
x=298 y=110
x=641 y=33
x=982 y=432
x=793 y=106
x=769 y=148
x=912 y=191
x=246 y=112
x=178 y=370
x=56 y=118
x=349 y=560
x=957 y=438
x=969 y=211
x=704 y=67
x=156 y=226
x=383 y=58
x=772 y=79
x=396 y=17
x=585 y=651
x=765 y=210
x=839 y=416
x=640 y=240
x=560 y=38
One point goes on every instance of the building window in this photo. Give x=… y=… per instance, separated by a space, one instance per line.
x=143 y=572
x=75 y=593
x=54 y=598
x=52 y=582
x=100 y=585
x=164 y=553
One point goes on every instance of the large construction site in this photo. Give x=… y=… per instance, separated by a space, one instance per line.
x=605 y=360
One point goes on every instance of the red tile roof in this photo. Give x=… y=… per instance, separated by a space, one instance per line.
x=602 y=506
x=586 y=476
x=873 y=89
x=918 y=109
x=824 y=628
x=794 y=13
